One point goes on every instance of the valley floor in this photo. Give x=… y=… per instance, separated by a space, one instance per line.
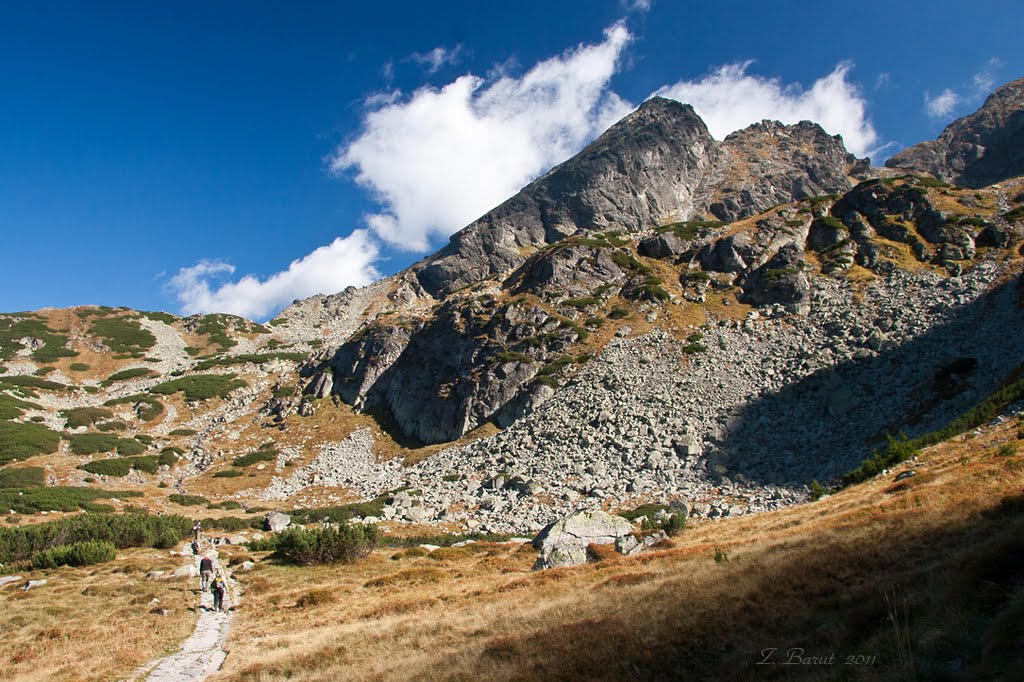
x=886 y=580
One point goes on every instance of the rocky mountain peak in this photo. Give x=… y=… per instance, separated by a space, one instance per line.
x=976 y=150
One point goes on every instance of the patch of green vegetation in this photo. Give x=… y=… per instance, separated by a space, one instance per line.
x=23 y=440
x=75 y=554
x=85 y=416
x=511 y=356
x=79 y=367
x=92 y=443
x=216 y=326
x=187 y=500
x=166 y=318
x=122 y=334
x=618 y=312
x=627 y=262
x=231 y=524
x=227 y=504
x=263 y=455
x=130 y=373
x=254 y=358
x=555 y=367
x=777 y=274
x=121 y=466
x=695 y=337
x=278 y=321
x=581 y=333
x=24 y=477
x=229 y=473
x=1014 y=214
x=11 y=407
x=580 y=303
x=168 y=457
x=284 y=391
x=648 y=510
x=25 y=384
x=147 y=407
x=690 y=229
x=111 y=426
x=43 y=371
x=331 y=544
x=694 y=348
x=201 y=386
x=820 y=199
x=183 y=432
x=652 y=292
x=18 y=544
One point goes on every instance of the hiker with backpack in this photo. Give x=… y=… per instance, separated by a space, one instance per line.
x=205 y=573
x=218 y=588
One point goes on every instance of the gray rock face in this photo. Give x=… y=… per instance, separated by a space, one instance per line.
x=644 y=168
x=770 y=163
x=780 y=280
x=276 y=521
x=564 y=543
x=976 y=150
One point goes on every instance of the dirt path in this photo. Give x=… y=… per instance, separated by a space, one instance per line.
x=201 y=654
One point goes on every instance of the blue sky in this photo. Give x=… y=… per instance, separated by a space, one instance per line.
x=196 y=156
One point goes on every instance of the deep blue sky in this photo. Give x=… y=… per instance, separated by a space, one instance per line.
x=137 y=138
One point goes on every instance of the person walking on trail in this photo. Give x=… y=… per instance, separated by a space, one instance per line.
x=218 y=588
x=195 y=548
x=205 y=572
x=197 y=530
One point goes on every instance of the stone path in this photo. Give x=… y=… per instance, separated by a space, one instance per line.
x=202 y=654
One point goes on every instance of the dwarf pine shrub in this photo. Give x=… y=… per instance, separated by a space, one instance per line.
x=331 y=544
x=76 y=554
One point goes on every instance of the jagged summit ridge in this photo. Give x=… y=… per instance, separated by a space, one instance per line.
x=656 y=165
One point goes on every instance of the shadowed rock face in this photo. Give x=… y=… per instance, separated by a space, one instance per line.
x=976 y=150
x=655 y=165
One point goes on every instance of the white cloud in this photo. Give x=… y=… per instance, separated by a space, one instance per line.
x=345 y=261
x=439 y=158
x=636 y=5
x=729 y=99
x=971 y=93
x=438 y=57
x=942 y=104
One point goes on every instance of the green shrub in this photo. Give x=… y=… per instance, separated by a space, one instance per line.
x=226 y=504
x=253 y=457
x=121 y=466
x=720 y=556
x=111 y=426
x=11 y=407
x=122 y=335
x=187 y=500
x=284 y=392
x=85 y=416
x=167 y=457
x=233 y=523
x=25 y=477
x=92 y=443
x=24 y=440
x=157 y=316
x=817 y=490
x=694 y=348
x=56 y=498
x=896 y=450
x=1007 y=450
x=25 y=383
x=331 y=544
x=509 y=356
x=76 y=554
x=674 y=524
x=648 y=510
x=201 y=386
x=229 y=473
x=147 y=407
x=130 y=373
x=19 y=543
x=618 y=312
x=579 y=303
x=183 y=432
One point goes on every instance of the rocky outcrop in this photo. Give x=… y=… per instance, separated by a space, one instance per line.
x=976 y=150
x=564 y=542
x=770 y=163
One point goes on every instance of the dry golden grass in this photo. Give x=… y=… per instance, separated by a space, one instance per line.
x=811 y=576
x=95 y=622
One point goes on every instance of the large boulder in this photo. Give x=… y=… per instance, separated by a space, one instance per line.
x=564 y=542
x=276 y=521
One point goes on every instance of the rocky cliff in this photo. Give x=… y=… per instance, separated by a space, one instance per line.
x=976 y=150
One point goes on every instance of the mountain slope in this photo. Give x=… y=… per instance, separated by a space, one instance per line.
x=976 y=150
